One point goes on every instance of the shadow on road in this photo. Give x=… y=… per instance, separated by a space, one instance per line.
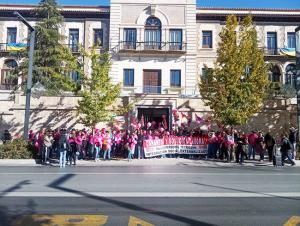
x=245 y=191
x=15 y=187
x=57 y=184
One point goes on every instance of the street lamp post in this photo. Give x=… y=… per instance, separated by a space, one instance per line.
x=297 y=32
x=29 y=77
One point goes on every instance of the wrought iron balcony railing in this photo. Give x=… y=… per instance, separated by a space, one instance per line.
x=152 y=46
x=190 y=91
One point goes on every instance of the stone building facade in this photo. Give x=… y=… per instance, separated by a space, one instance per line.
x=159 y=49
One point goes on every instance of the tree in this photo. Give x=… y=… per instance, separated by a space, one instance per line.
x=99 y=94
x=53 y=61
x=236 y=87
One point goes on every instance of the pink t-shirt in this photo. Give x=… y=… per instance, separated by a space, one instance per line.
x=118 y=138
x=78 y=140
x=97 y=140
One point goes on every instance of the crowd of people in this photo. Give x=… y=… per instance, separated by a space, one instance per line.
x=239 y=146
x=226 y=145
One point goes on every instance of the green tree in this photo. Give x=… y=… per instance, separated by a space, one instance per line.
x=100 y=94
x=236 y=87
x=53 y=61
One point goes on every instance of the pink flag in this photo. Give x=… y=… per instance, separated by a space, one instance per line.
x=199 y=119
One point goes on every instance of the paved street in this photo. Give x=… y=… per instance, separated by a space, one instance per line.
x=149 y=195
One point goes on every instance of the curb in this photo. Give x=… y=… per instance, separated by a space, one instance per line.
x=145 y=162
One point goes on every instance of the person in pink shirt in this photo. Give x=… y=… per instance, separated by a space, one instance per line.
x=97 y=139
x=106 y=145
x=131 y=146
x=117 y=143
x=78 y=141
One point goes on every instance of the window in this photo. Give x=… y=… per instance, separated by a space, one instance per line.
x=272 y=43
x=74 y=75
x=291 y=38
x=11 y=35
x=128 y=77
x=175 y=39
x=129 y=38
x=206 y=39
x=74 y=39
x=290 y=75
x=175 y=80
x=98 y=37
x=153 y=33
x=7 y=80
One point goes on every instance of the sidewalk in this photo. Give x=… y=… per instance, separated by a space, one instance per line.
x=148 y=162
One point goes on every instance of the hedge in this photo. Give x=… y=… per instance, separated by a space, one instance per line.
x=17 y=149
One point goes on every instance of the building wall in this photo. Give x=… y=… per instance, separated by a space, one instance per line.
x=207 y=56
x=179 y=14
x=182 y=14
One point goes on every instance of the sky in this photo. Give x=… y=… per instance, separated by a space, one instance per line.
x=288 y=4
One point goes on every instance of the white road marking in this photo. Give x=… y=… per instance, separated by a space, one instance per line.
x=155 y=194
x=141 y=173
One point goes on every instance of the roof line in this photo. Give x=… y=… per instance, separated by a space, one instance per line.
x=59 y=6
x=252 y=9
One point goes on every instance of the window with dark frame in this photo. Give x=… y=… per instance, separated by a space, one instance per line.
x=291 y=40
x=128 y=77
x=11 y=35
x=129 y=38
x=98 y=37
x=206 y=39
x=74 y=39
x=272 y=43
x=175 y=80
x=175 y=40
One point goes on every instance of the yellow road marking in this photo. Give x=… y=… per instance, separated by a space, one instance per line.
x=293 y=221
x=134 y=221
x=60 y=220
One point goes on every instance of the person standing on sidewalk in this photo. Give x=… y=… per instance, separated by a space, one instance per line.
x=97 y=139
x=269 y=142
x=63 y=146
x=72 y=149
x=260 y=146
x=286 y=146
x=47 y=144
x=293 y=141
x=240 y=148
x=252 y=140
x=78 y=141
x=106 y=145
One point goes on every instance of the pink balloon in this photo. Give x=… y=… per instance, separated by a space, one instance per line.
x=161 y=129
x=148 y=124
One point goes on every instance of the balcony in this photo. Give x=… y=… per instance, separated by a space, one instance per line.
x=271 y=51
x=74 y=47
x=289 y=52
x=152 y=47
x=182 y=92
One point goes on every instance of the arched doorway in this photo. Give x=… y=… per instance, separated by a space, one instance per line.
x=153 y=34
x=275 y=74
x=8 y=81
x=290 y=75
